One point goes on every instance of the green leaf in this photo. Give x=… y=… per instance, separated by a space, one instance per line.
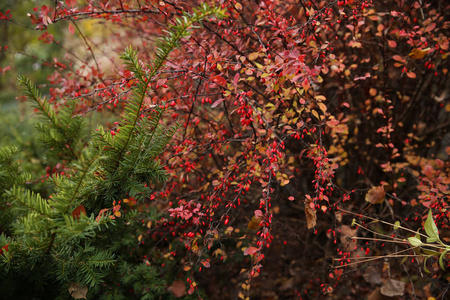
x=430 y=252
x=430 y=227
x=431 y=239
x=404 y=259
x=415 y=242
x=425 y=264
x=441 y=258
x=396 y=225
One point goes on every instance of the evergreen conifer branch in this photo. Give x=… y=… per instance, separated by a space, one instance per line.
x=42 y=105
x=7 y=153
x=64 y=132
x=30 y=199
x=10 y=174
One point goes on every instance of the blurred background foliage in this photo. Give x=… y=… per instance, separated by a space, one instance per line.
x=24 y=54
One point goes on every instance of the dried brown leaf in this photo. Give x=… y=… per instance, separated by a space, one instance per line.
x=311 y=216
x=375 y=195
x=346 y=233
x=373 y=275
x=78 y=291
x=178 y=289
x=393 y=288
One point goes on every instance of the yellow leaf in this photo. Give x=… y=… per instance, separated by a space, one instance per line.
x=322 y=107
x=315 y=114
x=253 y=56
x=284 y=182
x=186 y=268
x=238 y=6
x=259 y=66
x=418 y=53
x=254 y=223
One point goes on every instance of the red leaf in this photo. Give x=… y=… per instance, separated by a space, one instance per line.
x=258 y=213
x=251 y=250
x=217 y=102
x=236 y=79
x=71 y=28
x=71 y=3
x=4 y=248
x=44 y=10
x=430 y=27
x=219 y=80
x=191 y=290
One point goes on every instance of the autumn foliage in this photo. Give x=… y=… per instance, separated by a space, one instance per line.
x=295 y=118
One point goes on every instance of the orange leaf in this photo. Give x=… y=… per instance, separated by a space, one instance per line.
x=206 y=264
x=411 y=75
x=398 y=58
x=78 y=211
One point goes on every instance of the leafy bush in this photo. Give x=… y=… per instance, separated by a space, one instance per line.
x=296 y=117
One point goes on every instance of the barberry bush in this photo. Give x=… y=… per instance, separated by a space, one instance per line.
x=312 y=142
